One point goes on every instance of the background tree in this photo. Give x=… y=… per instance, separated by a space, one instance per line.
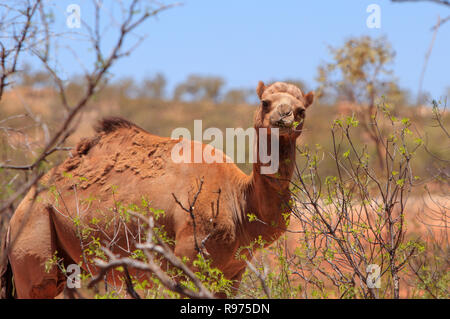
x=34 y=78
x=421 y=96
x=126 y=87
x=237 y=96
x=442 y=2
x=154 y=87
x=359 y=74
x=200 y=87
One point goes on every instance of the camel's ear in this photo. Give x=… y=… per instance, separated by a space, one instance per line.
x=309 y=99
x=260 y=89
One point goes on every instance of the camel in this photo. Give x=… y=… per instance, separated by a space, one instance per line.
x=124 y=163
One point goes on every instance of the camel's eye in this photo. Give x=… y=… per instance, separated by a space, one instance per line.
x=265 y=104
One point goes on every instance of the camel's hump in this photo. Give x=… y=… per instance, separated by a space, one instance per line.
x=105 y=126
x=112 y=123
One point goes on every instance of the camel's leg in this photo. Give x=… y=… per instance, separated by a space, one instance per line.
x=33 y=244
x=185 y=247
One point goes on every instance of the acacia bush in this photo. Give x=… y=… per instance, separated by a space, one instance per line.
x=351 y=229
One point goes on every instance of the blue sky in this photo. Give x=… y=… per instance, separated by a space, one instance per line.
x=252 y=40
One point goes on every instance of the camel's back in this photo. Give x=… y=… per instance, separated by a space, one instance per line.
x=131 y=163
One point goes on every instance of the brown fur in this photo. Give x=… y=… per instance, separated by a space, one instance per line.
x=124 y=163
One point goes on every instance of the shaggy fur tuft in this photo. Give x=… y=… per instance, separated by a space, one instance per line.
x=113 y=123
x=281 y=87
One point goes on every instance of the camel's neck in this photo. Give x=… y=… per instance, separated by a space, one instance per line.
x=267 y=195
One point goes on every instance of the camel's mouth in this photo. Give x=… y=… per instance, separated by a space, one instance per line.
x=287 y=131
x=288 y=127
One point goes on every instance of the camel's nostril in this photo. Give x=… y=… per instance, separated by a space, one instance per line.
x=285 y=113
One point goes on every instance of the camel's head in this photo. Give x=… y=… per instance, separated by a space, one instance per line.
x=283 y=106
